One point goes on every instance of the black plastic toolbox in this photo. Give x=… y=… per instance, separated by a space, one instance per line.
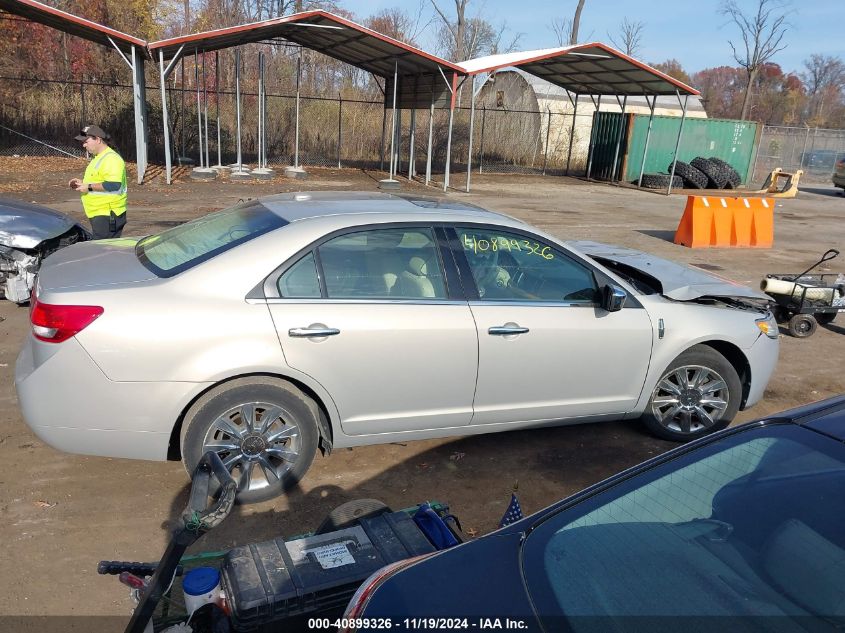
x=276 y=579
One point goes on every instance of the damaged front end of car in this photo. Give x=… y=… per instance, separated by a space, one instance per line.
x=28 y=234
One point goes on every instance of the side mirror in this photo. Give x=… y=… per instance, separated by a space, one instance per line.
x=613 y=298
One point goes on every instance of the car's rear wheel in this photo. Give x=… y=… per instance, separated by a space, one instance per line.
x=699 y=393
x=264 y=430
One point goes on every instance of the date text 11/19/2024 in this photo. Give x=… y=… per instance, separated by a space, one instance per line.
x=413 y=624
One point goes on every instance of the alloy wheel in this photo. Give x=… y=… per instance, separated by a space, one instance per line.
x=689 y=399
x=257 y=442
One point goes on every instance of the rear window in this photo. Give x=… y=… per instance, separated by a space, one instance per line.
x=175 y=250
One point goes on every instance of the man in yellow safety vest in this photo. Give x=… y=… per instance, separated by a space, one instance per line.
x=103 y=187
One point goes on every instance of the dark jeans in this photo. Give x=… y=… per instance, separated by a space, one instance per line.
x=106 y=226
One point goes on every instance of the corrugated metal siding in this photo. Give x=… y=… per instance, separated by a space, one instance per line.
x=732 y=141
x=605 y=135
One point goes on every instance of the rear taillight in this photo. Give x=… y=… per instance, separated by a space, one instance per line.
x=365 y=591
x=57 y=323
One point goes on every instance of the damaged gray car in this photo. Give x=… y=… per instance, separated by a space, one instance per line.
x=28 y=234
x=307 y=321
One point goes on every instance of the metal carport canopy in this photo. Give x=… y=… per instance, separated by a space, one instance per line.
x=593 y=69
x=413 y=78
x=341 y=39
x=585 y=69
x=131 y=49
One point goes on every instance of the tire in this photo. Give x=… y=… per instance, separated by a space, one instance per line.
x=693 y=178
x=826 y=318
x=661 y=181
x=265 y=459
x=733 y=179
x=685 y=414
x=802 y=325
x=715 y=176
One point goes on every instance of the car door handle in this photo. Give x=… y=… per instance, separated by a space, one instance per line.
x=505 y=330
x=312 y=332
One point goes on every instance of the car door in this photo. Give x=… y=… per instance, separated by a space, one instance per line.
x=369 y=315
x=547 y=350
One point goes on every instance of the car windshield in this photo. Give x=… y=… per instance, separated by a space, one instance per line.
x=172 y=251
x=751 y=526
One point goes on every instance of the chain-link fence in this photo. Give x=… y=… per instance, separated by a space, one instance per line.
x=43 y=116
x=813 y=150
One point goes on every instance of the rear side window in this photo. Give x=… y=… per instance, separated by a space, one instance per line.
x=175 y=250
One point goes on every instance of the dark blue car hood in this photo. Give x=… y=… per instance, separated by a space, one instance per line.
x=456 y=585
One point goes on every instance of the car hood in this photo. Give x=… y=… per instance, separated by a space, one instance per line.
x=25 y=225
x=675 y=281
x=94 y=263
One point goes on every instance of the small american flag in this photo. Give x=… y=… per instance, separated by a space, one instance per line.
x=513 y=513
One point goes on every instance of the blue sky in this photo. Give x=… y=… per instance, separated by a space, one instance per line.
x=691 y=31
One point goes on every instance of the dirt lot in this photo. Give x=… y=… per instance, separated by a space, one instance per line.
x=61 y=514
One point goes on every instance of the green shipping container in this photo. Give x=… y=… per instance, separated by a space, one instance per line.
x=732 y=141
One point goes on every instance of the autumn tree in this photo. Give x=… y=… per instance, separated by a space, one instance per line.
x=762 y=36
x=673 y=68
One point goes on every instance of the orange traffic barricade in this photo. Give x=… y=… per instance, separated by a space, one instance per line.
x=726 y=222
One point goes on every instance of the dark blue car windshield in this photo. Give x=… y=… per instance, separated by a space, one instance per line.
x=172 y=251
x=751 y=526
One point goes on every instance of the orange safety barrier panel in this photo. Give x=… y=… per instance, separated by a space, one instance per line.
x=726 y=222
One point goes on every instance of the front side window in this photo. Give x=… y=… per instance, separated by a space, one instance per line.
x=512 y=267
x=172 y=251
x=400 y=263
x=747 y=526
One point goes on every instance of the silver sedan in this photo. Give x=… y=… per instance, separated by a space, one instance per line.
x=301 y=322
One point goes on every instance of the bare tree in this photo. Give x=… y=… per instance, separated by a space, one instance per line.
x=823 y=76
x=562 y=29
x=456 y=28
x=576 y=22
x=630 y=36
x=762 y=34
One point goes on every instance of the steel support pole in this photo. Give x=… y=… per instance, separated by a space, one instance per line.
x=393 y=119
x=412 y=144
x=678 y=143
x=430 y=136
x=481 y=142
x=572 y=132
x=238 y=104
x=260 y=106
x=199 y=105
x=217 y=101
x=546 y=149
x=182 y=111
x=205 y=109
x=139 y=97
x=471 y=129
x=383 y=134
x=167 y=162
x=339 y=126
x=592 y=137
x=454 y=87
x=618 y=138
x=397 y=159
x=647 y=137
x=298 y=82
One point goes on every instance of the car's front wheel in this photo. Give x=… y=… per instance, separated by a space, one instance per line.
x=699 y=393
x=264 y=430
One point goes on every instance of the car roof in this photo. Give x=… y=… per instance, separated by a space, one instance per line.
x=306 y=205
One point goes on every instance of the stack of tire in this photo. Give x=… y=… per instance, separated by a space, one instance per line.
x=707 y=173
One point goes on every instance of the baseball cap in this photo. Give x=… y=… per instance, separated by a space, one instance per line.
x=92 y=130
